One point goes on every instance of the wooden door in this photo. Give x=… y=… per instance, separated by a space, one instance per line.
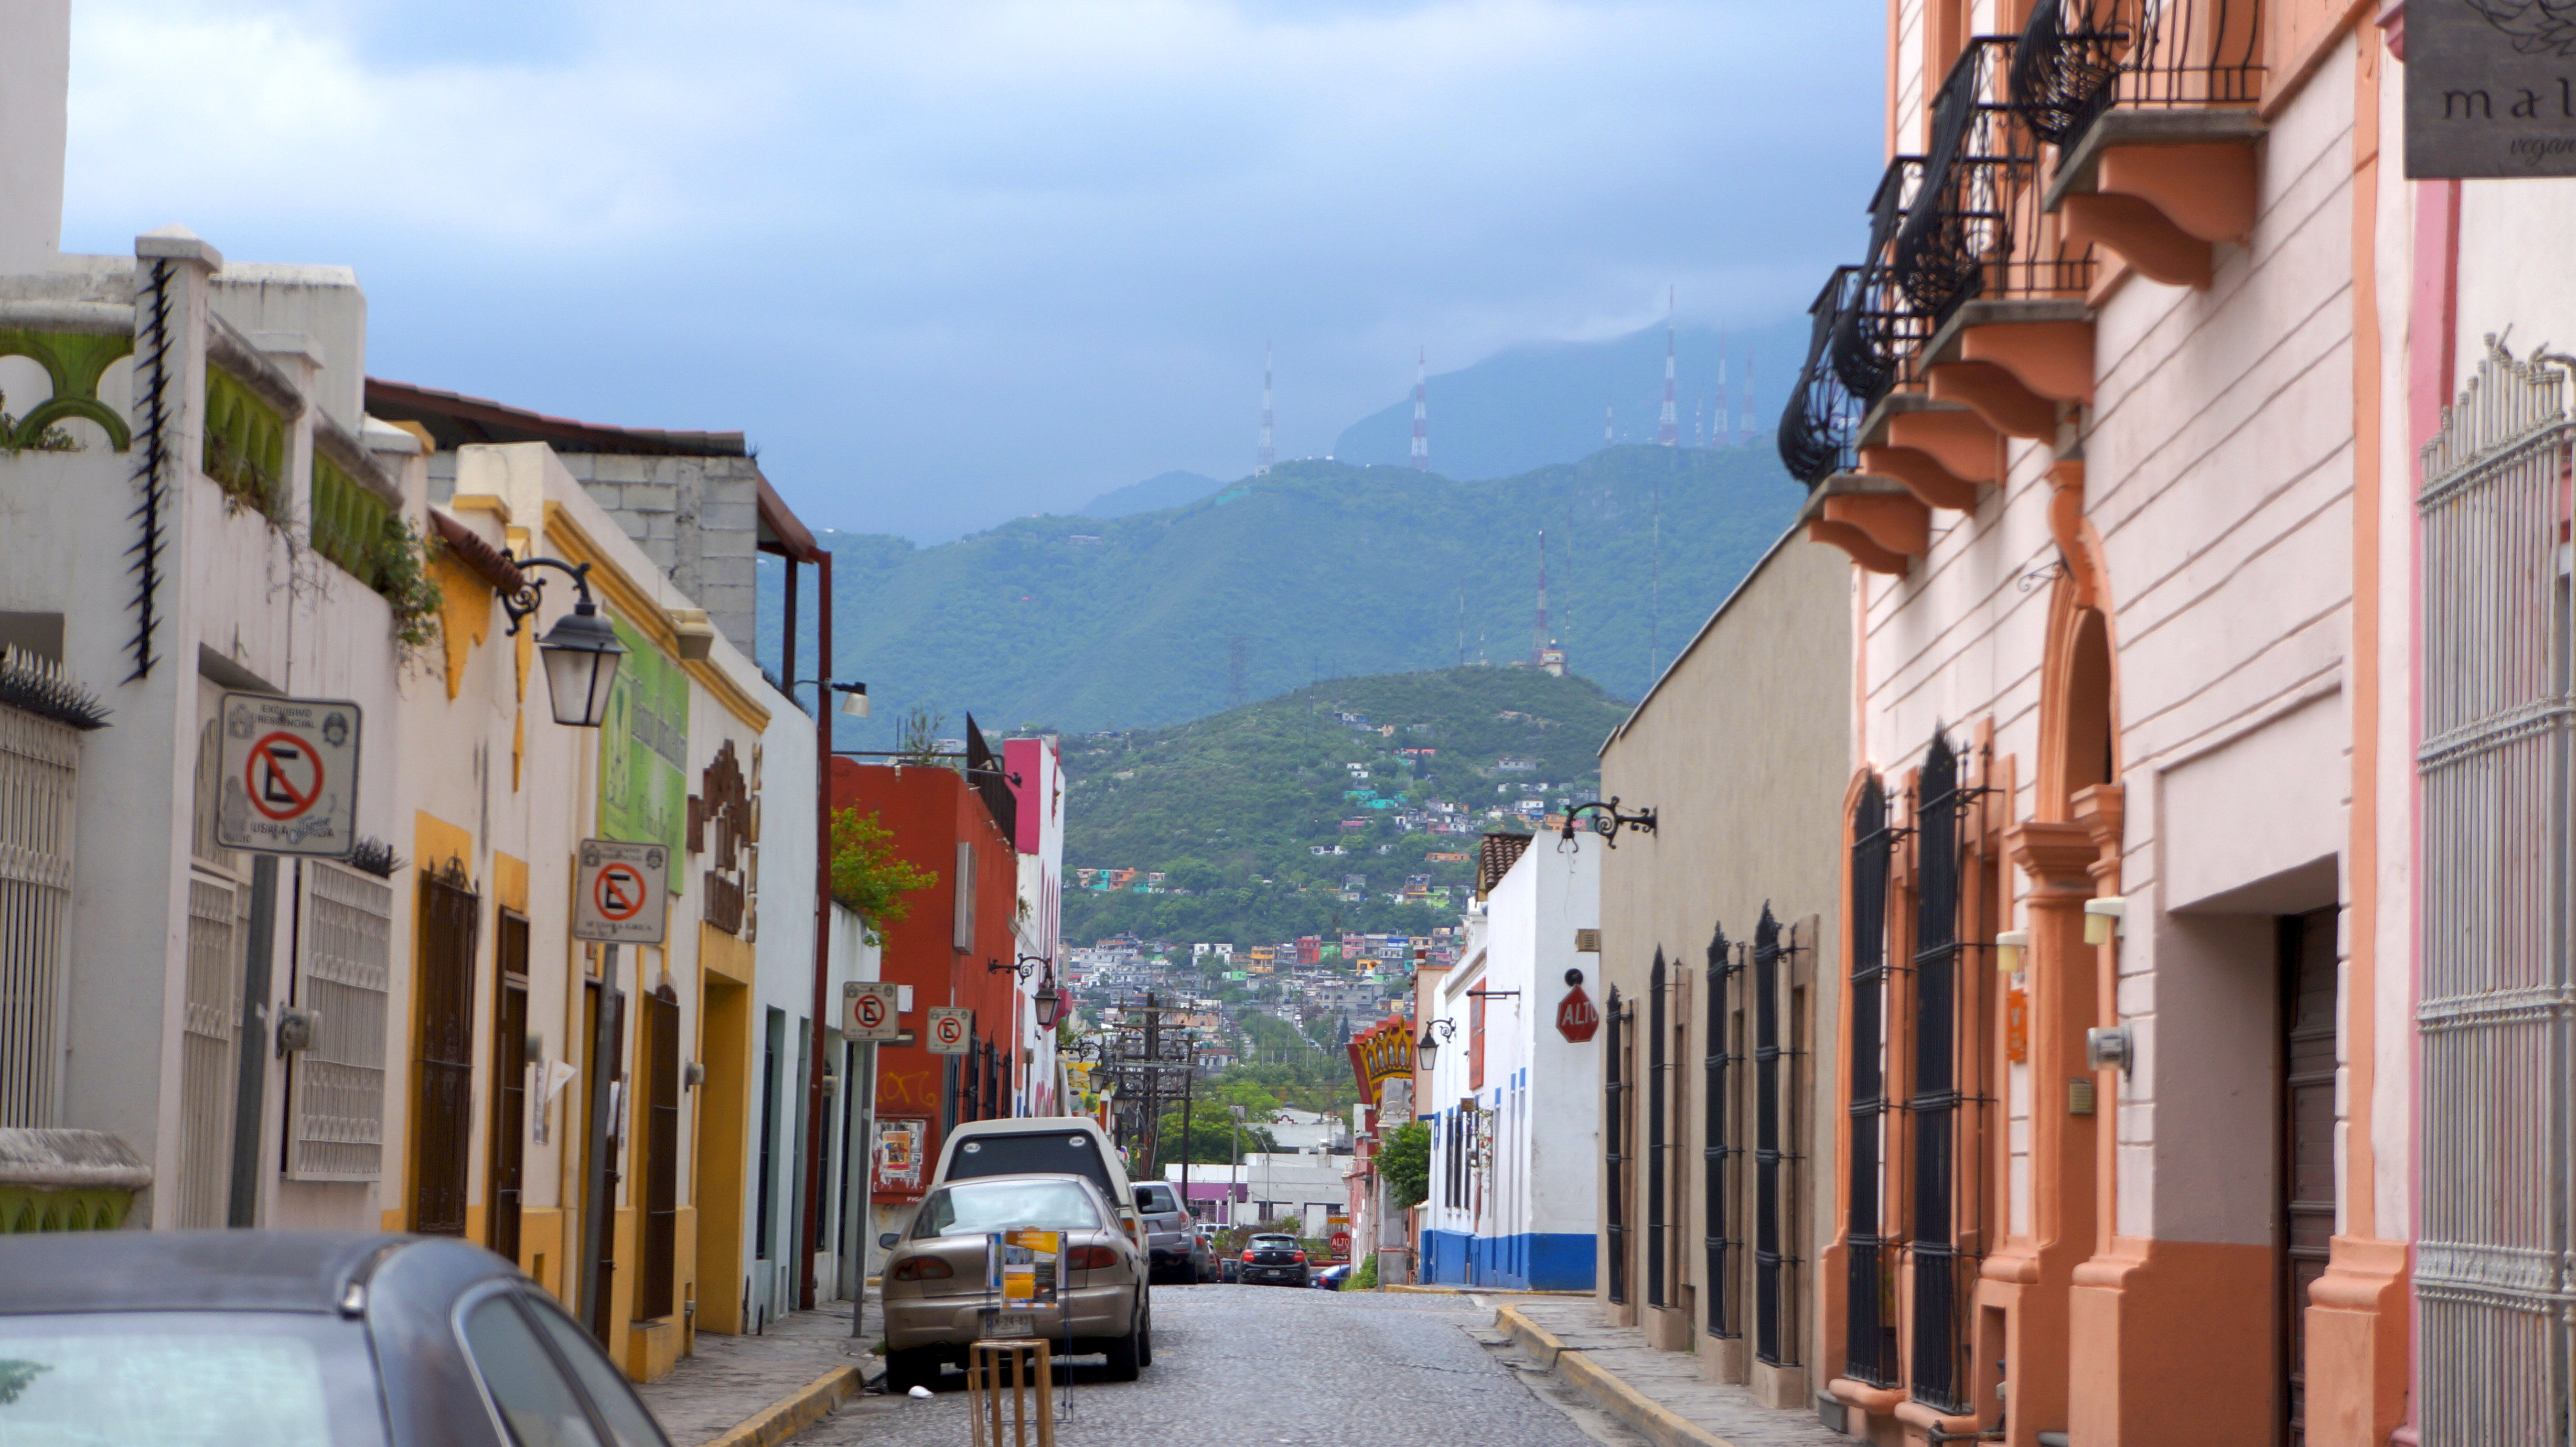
x=509 y=1083
x=654 y=1298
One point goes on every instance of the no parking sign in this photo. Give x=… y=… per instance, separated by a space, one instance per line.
x=289 y=775
x=619 y=892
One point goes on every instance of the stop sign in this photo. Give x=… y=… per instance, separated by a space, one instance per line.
x=1575 y=1017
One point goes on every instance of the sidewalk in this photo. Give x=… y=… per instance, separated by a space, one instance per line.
x=1661 y=1394
x=755 y=1391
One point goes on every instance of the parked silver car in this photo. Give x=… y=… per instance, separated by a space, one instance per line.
x=1176 y=1250
x=938 y=1299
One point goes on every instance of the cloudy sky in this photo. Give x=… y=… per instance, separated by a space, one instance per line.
x=947 y=261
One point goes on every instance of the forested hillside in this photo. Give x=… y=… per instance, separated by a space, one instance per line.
x=1379 y=773
x=1315 y=571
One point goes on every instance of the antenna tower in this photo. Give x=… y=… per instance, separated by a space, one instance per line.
x=1268 y=454
x=1421 y=416
x=1538 y=644
x=1609 y=421
x=1717 y=434
x=1668 y=423
x=1745 y=436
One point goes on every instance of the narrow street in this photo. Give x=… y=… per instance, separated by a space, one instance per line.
x=1269 y=1365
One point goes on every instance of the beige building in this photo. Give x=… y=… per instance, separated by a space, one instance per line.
x=1718 y=932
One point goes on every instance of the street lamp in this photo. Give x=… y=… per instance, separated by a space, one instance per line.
x=581 y=651
x=1429 y=1049
x=1026 y=966
x=1050 y=1002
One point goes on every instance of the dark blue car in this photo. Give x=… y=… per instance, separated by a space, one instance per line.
x=313 y=1339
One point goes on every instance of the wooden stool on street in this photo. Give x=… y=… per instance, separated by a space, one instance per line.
x=1022 y=1368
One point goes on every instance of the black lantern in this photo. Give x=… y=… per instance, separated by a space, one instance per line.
x=1049 y=1003
x=581 y=651
x=1426 y=1048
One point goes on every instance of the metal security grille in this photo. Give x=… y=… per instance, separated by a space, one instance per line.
x=1614 y=1141
x=1941 y=1298
x=1775 y=1163
x=2492 y=1264
x=1720 y=1133
x=1869 y=1316
x=39 y=762
x=443 y=1122
x=336 y=1125
x=210 y=1031
x=509 y=1085
x=1656 y=1089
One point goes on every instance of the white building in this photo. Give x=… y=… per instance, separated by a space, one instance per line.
x=1514 y=1107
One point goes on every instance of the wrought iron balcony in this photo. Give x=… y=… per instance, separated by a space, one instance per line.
x=1816 y=427
x=1961 y=217
x=1878 y=328
x=2079 y=59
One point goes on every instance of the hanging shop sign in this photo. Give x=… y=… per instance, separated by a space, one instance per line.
x=2490 y=89
x=620 y=892
x=289 y=775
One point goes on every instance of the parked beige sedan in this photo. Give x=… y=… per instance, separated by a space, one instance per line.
x=938 y=1297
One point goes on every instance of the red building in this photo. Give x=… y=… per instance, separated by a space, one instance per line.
x=956 y=947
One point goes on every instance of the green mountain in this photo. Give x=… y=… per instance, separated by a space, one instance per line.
x=1166 y=489
x=1233 y=810
x=1315 y=571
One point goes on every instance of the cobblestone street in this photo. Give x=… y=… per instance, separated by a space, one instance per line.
x=1267 y=1366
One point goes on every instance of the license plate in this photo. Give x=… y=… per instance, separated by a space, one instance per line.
x=1015 y=1323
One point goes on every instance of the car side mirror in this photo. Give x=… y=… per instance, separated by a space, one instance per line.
x=889 y=1239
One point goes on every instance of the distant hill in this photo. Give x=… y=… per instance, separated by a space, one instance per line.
x=1231 y=809
x=1315 y=571
x=1529 y=406
x=1170 y=489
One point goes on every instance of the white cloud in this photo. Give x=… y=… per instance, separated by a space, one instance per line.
x=892 y=219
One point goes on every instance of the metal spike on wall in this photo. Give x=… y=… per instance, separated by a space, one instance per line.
x=151 y=466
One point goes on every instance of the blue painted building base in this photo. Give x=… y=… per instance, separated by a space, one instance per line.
x=1531 y=1261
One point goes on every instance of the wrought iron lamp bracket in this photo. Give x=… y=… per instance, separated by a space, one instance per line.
x=524 y=602
x=1607 y=821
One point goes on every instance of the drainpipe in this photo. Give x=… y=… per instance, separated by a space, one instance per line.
x=822 y=923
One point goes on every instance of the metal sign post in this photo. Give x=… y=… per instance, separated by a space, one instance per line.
x=289 y=775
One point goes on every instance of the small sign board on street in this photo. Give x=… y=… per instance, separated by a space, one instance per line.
x=289 y=775
x=1576 y=1019
x=868 y=1013
x=950 y=1028
x=620 y=892
x=2490 y=89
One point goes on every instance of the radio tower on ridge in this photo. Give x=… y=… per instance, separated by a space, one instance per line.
x=1609 y=423
x=1745 y=436
x=1725 y=419
x=1268 y=454
x=1421 y=415
x=1538 y=643
x=1668 y=424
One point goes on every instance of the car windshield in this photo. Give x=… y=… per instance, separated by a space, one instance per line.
x=974 y=1207
x=1055 y=1152
x=188 y=1379
x=1274 y=1240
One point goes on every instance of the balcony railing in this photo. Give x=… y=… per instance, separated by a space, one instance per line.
x=1817 y=428
x=2079 y=59
x=1975 y=227
x=1879 y=328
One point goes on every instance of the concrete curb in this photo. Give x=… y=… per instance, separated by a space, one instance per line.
x=792 y=1413
x=1477 y=1291
x=1662 y=1425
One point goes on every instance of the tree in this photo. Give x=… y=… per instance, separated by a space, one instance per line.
x=1406 y=1164
x=1213 y=1140
x=868 y=876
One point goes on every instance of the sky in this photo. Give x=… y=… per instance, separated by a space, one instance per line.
x=953 y=261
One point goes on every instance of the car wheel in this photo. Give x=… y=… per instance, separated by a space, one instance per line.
x=1145 y=1337
x=910 y=1367
x=1126 y=1354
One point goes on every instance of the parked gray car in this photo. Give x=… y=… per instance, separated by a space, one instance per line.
x=938 y=1298
x=1179 y=1253
x=279 y=1336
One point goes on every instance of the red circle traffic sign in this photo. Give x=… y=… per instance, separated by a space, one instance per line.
x=951 y=1029
x=619 y=892
x=275 y=775
x=871 y=1011
x=1342 y=1242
